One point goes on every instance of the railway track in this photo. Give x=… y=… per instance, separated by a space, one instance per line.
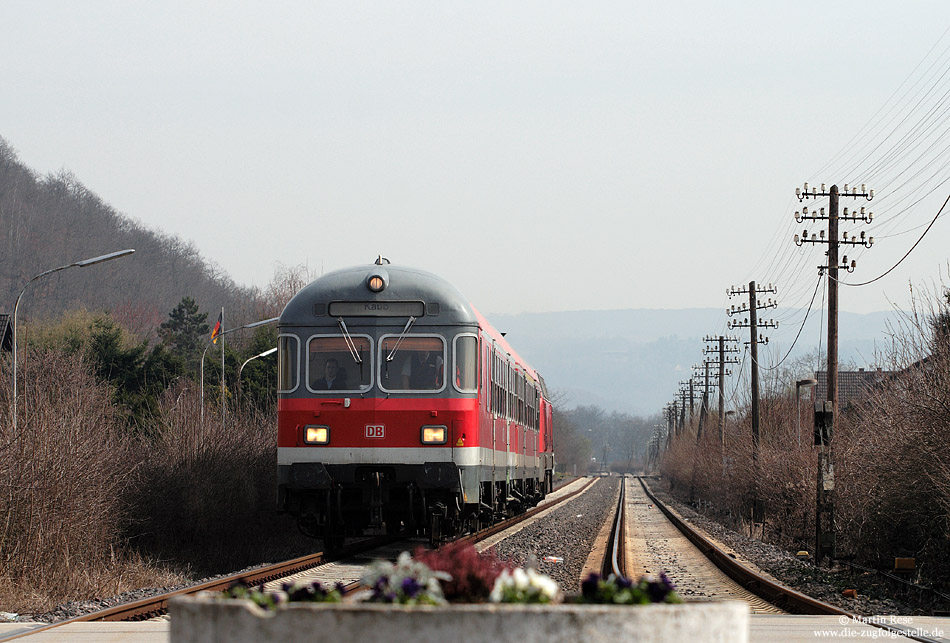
x=648 y=537
x=346 y=567
x=655 y=543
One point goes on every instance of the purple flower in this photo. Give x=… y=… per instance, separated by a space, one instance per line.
x=666 y=581
x=623 y=583
x=411 y=587
x=589 y=586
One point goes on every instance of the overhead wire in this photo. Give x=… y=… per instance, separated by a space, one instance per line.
x=907 y=139
x=937 y=216
x=801 y=328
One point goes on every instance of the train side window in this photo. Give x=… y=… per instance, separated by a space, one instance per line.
x=466 y=363
x=412 y=363
x=288 y=357
x=334 y=366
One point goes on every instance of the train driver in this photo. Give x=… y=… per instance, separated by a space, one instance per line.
x=333 y=379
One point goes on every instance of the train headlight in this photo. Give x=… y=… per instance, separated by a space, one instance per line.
x=434 y=435
x=313 y=434
x=376 y=283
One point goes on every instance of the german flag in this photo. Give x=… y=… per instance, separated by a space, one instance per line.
x=217 y=328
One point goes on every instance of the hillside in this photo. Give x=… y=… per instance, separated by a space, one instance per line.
x=54 y=220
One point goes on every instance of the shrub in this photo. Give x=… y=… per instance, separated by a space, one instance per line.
x=473 y=574
x=64 y=473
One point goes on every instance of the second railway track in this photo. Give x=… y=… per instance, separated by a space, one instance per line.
x=654 y=544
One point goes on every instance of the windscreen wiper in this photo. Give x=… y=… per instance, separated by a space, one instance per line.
x=405 y=330
x=350 y=344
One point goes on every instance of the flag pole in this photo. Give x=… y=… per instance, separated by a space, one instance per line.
x=222 y=371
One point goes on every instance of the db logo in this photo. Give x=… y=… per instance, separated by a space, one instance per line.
x=375 y=430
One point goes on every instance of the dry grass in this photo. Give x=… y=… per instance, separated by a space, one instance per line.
x=63 y=475
x=88 y=509
x=206 y=494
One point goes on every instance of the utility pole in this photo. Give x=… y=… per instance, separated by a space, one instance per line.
x=756 y=338
x=686 y=393
x=692 y=397
x=826 y=413
x=683 y=410
x=722 y=362
x=670 y=414
x=722 y=388
x=704 y=405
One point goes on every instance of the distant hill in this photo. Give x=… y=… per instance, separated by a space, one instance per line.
x=632 y=360
x=54 y=220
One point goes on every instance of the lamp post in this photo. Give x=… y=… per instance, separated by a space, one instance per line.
x=240 y=370
x=222 y=333
x=79 y=264
x=799 y=385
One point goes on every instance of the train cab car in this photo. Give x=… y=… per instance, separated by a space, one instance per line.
x=401 y=409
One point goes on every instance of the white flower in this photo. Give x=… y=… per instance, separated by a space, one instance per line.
x=521 y=579
x=524 y=586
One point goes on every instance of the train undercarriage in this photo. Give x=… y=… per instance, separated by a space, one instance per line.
x=333 y=502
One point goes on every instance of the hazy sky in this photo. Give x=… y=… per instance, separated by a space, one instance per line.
x=541 y=155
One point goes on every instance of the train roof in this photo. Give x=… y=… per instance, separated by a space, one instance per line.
x=406 y=291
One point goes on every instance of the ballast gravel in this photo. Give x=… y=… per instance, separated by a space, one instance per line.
x=566 y=535
x=825 y=585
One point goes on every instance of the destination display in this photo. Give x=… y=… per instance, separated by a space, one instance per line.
x=377 y=309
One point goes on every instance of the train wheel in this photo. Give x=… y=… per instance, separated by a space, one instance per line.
x=333 y=543
x=308 y=526
x=435 y=531
x=394 y=527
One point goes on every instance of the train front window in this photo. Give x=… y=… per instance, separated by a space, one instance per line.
x=339 y=364
x=415 y=364
x=466 y=363
x=289 y=347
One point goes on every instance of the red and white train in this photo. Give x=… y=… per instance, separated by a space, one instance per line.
x=401 y=408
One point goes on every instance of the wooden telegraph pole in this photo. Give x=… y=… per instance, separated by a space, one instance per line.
x=826 y=412
x=756 y=338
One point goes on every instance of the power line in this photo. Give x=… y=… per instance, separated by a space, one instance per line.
x=865 y=283
x=801 y=328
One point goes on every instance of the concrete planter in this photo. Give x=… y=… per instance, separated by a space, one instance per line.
x=205 y=619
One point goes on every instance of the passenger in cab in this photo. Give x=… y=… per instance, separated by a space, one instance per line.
x=422 y=371
x=334 y=379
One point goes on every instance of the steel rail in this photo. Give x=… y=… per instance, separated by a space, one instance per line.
x=488 y=532
x=785 y=597
x=615 y=559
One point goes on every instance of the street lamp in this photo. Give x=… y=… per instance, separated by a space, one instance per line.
x=264 y=354
x=799 y=385
x=221 y=334
x=16 y=305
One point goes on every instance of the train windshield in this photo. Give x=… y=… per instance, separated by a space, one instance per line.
x=339 y=363
x=418 y=365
